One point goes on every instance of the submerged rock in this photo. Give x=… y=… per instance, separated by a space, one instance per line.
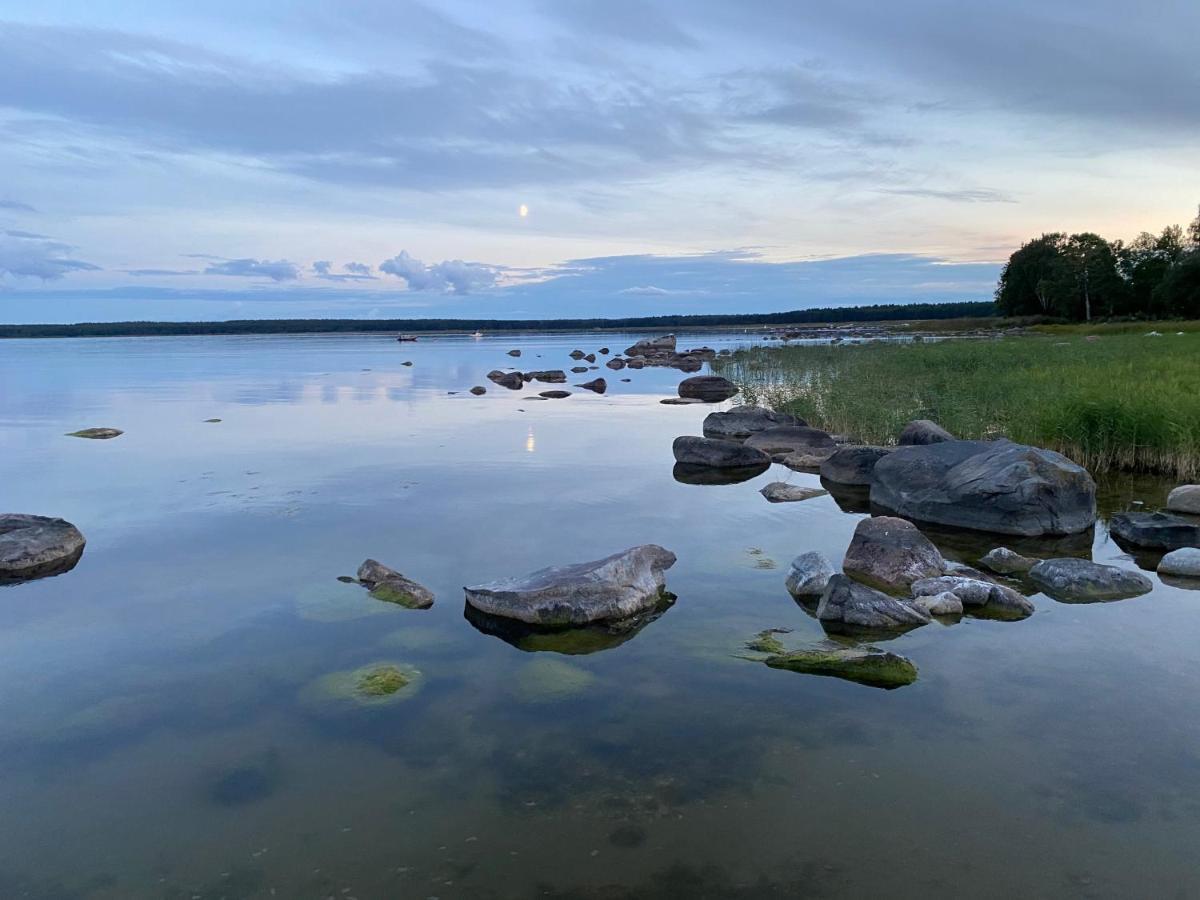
x=997 y=600
x=549 y=680
x=766 y=642
x=743 y=421
x=96 y=434
x=852 y=464
x=890 y=554
x=848 y=602
x=995 y=486
x=1185 y=499
x=808 y=575
x=716 y=454
x=782 y=492
x=1007 y=562
x=1083 y=581
x=1158 y=531
x=375 y=684
x=389 y=585
x=864 y=665
x=1185 y=561
x=709 y=388
x=37 y=546
x=922 y=431
x=616 y=587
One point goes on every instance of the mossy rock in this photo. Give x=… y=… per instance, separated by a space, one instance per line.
x=864 y=665
x=96 y=434
x=391 y=594
x=766 y=642
x=374 y=684
x=549 y=680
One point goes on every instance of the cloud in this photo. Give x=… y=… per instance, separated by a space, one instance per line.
x=651 y=290
x=955 y=196
x=279 y=270
x=26 y=255
x=351 y=271
x=16 y=206
x=449 y=275
x=322 y=266
x=357 y=268
x=147 y=273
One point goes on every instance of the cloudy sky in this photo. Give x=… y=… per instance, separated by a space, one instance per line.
x=572 y=157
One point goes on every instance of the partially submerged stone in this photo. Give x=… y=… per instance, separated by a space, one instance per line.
x=389 y=585
x=923 y=431
x=995 y=486
x=890 y=554
x=848 y=602
x=1185 y=562
x=767 y=642
x=554 y=395
x=511 y=380
x=681 y=401
x=479 y=390
x=852 y=464
x=716 y=454
x=709 y=388
x=802 y=461
x=594 y=637
x=808 y=575
x=785 y=440
x=1007 y=562
x=994 y=600
x=596 y=385
x=375 y=684
x=1156 y=531
x=1083 y=581
x=616 y=587
x=1185 y=499
x=547 y=376
x=96 y=434
x=782 y=492
x=944 y=604
x=650 y=346
x=514 y=352
x=37 y=546
x=864 y=665
x=743 y=421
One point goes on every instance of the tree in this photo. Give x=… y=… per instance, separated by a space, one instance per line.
x=1144 y=263
x=1179 y=293
x=1193 y=233
x=1031 y=280
x=1092 y=284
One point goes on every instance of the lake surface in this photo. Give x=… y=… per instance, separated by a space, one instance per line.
x=166 y=731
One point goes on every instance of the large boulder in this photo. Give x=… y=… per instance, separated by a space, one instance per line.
x=1082 y=581
x=388 y=584
x=1155 y=531
x=1185 y=499
x=890 y=554
x=743 y=421
x=922 y=431
x=995 y=486
x=808 y=575
x=37 y=546
x=864 y=665
x=617 y=587
x=997 y=600
x=789 y=440
x=847 y=602
x=715 y=454
x=709 y=388
x=1185 y=562
x=651 y=346
x=853 y=464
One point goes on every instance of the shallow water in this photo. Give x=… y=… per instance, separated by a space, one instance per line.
x=166 y=728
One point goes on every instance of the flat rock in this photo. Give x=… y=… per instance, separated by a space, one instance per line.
x=97 y=434
x=514 y=352
x=1007 y=562
x=709 y=388
x=664 y=344
x=1157 y=530
x=863 y=665
x=712 y=453
x=743 y=421
x=782 y=492
x=680 y=401
x=1083 y=581
x=848 y=602
x=547 y=376
x=1185 y=499
x=37 y=546
x=808 y=575
x=786 y=440
x=578 y=369
x=923 y=431
x=388 y=584
x=617 y=587
x=853 y=464
x=1185 y=561
x=890 y=554
x=554 y=395
x=995 y=486
x=806 y=462
x=998 y=599
x=597 y=385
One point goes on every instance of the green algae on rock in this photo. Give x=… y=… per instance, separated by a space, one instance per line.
x=766 y=642
x=548 y=680
x=864 y=665
x=374 y=684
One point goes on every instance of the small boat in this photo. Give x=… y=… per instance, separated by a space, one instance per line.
x=477 y=334
x=406 y=337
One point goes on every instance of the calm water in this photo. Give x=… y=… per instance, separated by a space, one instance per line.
x=163 y=732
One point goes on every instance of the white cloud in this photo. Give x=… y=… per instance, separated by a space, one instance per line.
x=449 y=275
x=27 y=255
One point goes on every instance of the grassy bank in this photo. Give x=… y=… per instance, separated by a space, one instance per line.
x=1122 y=401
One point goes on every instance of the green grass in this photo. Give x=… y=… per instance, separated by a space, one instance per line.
x=1122 y=401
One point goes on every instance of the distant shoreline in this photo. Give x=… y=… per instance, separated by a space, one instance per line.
x=804 y=317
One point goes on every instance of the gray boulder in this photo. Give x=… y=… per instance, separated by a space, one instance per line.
x=1007 y=562
x=554 y=395
x=388 y=584
x=548 y=376
x=597 y=385
x=852 y=464
x=616 y=363
x=808 y=575
x=97 y=434
x=615 y=588
x=1185 y=561
x=479 y=390
x=801 y=461
x=709 y=388
x=847 y=602
x=1185 y=499
x=714 y=454
x=890 y=554
x=995 y=486
x=922 y=431
x=514 y=352
x=997 y=599
x=511 y=380
x=651 y=346
x=944 y=604
x=37 y=546
x=1156 y=531
x=744 y=421
x=1083 y=581
x=782 y=492
x=787 y=440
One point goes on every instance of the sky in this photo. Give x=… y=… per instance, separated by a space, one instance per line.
x=559 y=158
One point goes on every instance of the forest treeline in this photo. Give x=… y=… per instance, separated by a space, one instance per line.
x=879 y=313
x=1081 y=277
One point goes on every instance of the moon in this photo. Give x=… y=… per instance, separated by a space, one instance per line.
x=522 y=210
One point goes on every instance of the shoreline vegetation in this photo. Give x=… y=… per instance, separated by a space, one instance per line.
x=1121 y=396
